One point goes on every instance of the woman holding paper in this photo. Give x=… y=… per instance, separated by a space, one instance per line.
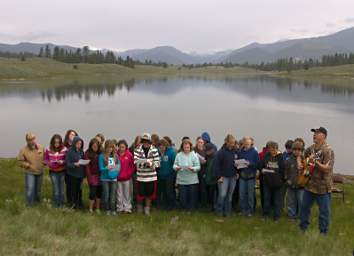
x=247 y=162
x=54 y=158
x=187 y=166
x=109 y=165
x=75 y=170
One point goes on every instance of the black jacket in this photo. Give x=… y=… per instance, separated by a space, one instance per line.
x=273 y=179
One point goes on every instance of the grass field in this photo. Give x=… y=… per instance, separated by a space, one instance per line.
x=43 y=230
x=42 y=68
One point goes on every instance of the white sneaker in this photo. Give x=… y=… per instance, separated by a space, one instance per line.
x=147 y=211
x=108 y=213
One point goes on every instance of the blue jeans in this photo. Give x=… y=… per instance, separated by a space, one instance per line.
x=225 y=192
x=272 y=201
x=57 y=179
x=294 y=198
x=188 y=195
x=323 y=201
x=247 y=195
x=109 y=195
x=33 y=188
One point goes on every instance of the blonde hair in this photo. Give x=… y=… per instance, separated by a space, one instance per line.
x=230 y=138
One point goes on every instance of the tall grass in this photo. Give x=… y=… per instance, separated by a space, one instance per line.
x=42 y=230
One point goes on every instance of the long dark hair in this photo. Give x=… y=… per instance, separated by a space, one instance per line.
x=90 y=153
x=52 y=140
x=66 y=139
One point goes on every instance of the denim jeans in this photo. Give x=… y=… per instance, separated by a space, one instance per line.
x=109 y=195
x=272 y=201
x=33 y=188
x=324 y=202
x=166 y=194
x=294 y=198
x=188 y=195
x=225 y=193
x=57 y=179
x=247 y=196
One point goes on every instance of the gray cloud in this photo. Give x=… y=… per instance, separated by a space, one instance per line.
x=198 y=25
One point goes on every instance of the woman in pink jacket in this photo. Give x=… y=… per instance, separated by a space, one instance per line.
x=125 y=184
x=54 y=158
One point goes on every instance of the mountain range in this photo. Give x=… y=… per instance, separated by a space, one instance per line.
x=254 y=53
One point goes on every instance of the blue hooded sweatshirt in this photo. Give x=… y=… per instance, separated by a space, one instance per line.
x=224 y=162
x=106 y=174
x=166 y=164
x=252 y=156
x=72 y=157
x=206 y=137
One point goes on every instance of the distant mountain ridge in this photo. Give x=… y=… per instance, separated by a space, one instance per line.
x=255 y=53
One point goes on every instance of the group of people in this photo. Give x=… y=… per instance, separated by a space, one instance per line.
x=152 y=172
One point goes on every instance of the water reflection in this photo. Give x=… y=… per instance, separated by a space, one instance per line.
x=264 y=86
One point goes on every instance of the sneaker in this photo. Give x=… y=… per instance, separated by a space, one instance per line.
x=108 y=213
x=139 y=208
x=90 y=211
x=147 y=211
x=114 y=213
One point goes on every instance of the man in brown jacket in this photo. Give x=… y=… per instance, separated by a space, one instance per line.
x=30 y=159
x=321 y=160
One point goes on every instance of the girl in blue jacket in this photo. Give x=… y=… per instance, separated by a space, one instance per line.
x=109 y=166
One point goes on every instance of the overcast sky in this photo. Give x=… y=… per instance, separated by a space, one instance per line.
x=190 y=25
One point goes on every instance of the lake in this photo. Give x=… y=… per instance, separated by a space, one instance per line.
x=264 y=108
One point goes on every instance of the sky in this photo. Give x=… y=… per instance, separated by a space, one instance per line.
x=190 y=25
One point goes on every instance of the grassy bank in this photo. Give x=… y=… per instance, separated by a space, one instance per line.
x=338 y=75
x=42 y=68
x=46 y=231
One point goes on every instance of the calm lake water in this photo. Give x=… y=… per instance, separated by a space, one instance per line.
x=261 y=107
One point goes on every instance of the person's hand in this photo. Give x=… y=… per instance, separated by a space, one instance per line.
x=77 y=164
x=203 y=161
x=190 y=168
x=60 y=162
x=221 y=180
x=248 y=163
x=237 y=176
x=178 y=168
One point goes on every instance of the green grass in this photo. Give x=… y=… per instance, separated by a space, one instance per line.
x=43 y=230
x=43 y=68
x=338 y=75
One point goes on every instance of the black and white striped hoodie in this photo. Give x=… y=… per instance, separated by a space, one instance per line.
x=144 y=173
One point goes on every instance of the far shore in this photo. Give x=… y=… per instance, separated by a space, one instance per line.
x=47 y=70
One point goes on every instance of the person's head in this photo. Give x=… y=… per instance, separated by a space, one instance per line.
x=301 y=140
x=288 y=146
x=155 y=139
x=230 y=142
x=169 y=140
x=69 y=137
x=100 y=137
x=319 y=135
x=163 y=145
x=185 y=138
x=31 y=140
x=209 y=149
x=56 y=143
x=273 y=148
x=246 y=143
x=146 y=140
x=109 y=147
x=206 y=137
x=297 y=148
x=199 y=144
x=186 y=146
x=137 y=142
x=77 y=143
x=94 y=146
x=122 y=146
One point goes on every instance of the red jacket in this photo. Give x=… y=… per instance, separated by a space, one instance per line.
x=127 y=166
x=92 y=171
